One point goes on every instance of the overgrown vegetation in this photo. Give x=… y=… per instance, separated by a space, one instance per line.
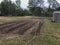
x=50 y=35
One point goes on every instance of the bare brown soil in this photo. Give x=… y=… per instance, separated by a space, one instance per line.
x=21 y=27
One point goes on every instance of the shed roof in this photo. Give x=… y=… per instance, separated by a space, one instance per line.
x=56 y=12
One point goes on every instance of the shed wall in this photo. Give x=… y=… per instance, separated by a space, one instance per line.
x=56 y=17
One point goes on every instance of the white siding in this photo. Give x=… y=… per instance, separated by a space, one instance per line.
x=56 y=16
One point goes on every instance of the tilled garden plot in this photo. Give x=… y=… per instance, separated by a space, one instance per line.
x=19 y=27
x=12 y=26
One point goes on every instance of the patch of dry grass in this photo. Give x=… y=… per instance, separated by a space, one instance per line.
x=50 y=35
x=12 y=19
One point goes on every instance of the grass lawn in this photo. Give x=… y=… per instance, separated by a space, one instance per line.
x=50 y=35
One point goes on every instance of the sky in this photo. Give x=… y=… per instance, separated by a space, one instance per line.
x=24 y=3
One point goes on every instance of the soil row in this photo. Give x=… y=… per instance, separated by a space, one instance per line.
x=21 y=27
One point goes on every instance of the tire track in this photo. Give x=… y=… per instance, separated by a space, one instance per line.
x=23 y=29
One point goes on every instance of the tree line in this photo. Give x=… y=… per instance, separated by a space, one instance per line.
x=35 y=8
x=38 y=8
x=9 y=8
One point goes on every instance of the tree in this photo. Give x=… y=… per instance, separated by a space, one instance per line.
x=38 y=11
x=4 y=9
x=49 y=12
x=19 y=10
x=40 y=3
x=26 y=12
x=53 y=4
x=35 y=7
x=7 y=8
x=36 y=3
x=18 y=3
x=57 y=9
x=32 y=3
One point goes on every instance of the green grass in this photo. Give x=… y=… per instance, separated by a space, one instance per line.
x=50 y=35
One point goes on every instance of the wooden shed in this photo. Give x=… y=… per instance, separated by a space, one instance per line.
x=56 y=16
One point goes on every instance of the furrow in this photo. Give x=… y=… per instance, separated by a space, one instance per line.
x=23 y=29
x=8 y=25
x=12 y=27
